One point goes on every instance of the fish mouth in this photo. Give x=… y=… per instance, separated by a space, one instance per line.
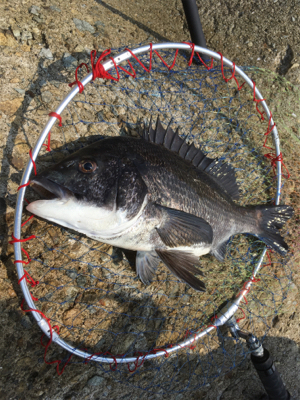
x=50 y=190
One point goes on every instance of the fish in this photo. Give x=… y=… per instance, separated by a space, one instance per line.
x=158 y=196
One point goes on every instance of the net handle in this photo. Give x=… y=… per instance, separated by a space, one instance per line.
x=107 y=65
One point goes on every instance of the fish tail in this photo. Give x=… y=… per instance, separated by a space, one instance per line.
x=269 y=220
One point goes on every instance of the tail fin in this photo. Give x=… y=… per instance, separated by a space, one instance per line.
x=270 y=219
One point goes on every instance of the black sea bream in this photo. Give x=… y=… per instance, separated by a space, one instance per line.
x=158 y=196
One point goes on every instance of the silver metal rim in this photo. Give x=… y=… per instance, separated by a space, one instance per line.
x=232 y=307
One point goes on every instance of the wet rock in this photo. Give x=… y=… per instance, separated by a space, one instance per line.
x=83 y=25
x=34 y=10
x=72 y=273
x=16 y=32
x=96 y=381
x=21 y=91
x=39 y=19
x=36 y=32
x=69 y=61
x=25 y=321
x=99 y=23
x=92 y=310
x=46 y=53
x=46 y=96
x=55 y=83
x=81 y=281
x=25 y=35
x=42 y=82
x=54 y=8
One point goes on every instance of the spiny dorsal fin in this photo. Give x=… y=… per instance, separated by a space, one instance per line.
x=222 y=173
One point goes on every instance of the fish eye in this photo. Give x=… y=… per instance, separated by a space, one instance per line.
x=87 y=166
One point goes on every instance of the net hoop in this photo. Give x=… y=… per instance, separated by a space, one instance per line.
x=233 y=306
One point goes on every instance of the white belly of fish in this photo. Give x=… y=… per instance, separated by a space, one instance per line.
x=112 y=227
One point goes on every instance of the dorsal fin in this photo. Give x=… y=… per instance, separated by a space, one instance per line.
x=222 y=173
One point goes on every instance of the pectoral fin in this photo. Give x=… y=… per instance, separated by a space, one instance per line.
x=182 y=229
x=181 y=264
x=146 y=265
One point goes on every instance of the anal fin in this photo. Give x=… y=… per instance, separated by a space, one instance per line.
x=181 y=264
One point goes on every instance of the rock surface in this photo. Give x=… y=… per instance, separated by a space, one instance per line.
x=55 y=34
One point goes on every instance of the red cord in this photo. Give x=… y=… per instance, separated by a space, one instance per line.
x=243 y=317
x=192 y=46
x=239 y=87
x=205 y=65
x=48 y=142
x=98 y=69
x=273 y=158
x=253 y=280
x=269 y=130
x=104 y=354
x=33 y=162
x=15 y=240
x=25 y=184
x=163 y=61
x=58 y=362
x=22 y=261
x=139 y=61
x=132 y=73
x=187 y=333
x=222 y=69
x=80 y=85
x=143 y=356
x=257 y=101
x=54 y=114
x=28 y=279
x=27 y=220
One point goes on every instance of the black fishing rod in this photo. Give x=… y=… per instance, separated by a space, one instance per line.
x=262 y=362
x=194 y=23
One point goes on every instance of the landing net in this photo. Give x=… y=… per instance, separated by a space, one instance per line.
x=88 y=299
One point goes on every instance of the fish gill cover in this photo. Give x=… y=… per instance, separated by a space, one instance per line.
x=90 y=291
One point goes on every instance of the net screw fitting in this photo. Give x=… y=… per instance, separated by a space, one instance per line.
x=254 y=346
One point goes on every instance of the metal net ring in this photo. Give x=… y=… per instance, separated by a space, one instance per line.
x=232 y=306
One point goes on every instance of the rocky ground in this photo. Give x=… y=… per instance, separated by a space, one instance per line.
x=40 y=44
